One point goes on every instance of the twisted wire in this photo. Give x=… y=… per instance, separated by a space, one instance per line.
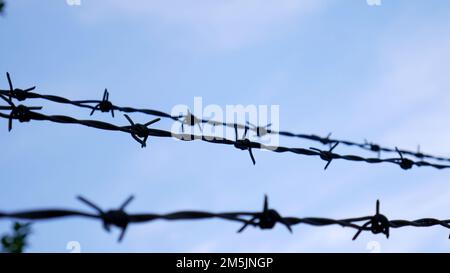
x=105 y=105
x=266 y=219
x=140 y=132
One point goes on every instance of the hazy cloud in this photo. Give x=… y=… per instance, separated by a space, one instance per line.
x=223 y=24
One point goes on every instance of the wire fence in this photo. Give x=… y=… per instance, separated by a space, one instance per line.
x=141 y=132
x=268 y=218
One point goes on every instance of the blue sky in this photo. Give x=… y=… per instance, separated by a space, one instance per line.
x=345 y=67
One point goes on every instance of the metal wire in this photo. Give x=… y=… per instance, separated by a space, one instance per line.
x=268 y=218
x=105 y=105
x=141 y=132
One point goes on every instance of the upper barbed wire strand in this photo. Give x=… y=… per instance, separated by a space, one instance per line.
x=105 y=105
x=27 y=115
x=140 y=132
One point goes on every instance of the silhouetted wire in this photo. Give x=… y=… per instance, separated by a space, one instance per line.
x=105 y=105
x=141 y=132
x=265 y=219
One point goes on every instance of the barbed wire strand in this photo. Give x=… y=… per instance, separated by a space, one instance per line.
x=268 y=218
x=141 y=132
x=105 y=105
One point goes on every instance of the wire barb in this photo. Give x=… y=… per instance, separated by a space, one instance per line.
x=327 y=156
x=190 y=120
x=244 y=144
x=140 y=132
x=377 y=224
x=405 y=163
x=19 y=94
x=20 y=112
x=118 y=217
x=373 y=147
x=104 y=105
x=267 y=219
x=260 y=130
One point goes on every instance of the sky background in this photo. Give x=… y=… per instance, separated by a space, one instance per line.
x=359 y=71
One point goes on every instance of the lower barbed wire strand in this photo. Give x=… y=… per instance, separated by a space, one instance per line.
x=267 y=219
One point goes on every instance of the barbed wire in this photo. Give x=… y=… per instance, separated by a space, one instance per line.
x=105 y=105
x=268 y=218
x=141 y=132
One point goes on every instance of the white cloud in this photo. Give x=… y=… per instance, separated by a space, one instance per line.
x=408 y=100
x=225 y=24
x=415 y=89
